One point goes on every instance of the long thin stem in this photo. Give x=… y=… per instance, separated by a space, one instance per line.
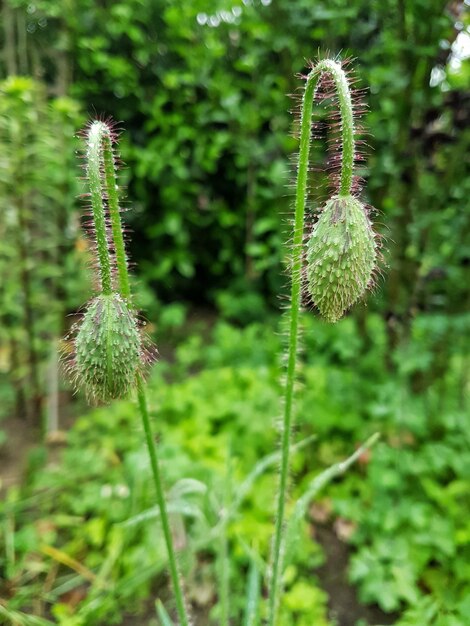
x=341 y=84
x=152 y=450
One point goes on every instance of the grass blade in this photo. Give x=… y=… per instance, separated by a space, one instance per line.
x=162 y=614
x=22 y=619
x=252 y=596
x=271 y=460
x=316 y=485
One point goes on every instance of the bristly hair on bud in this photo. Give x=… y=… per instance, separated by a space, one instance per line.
x=108 y=352
x=107 y=349
x=341 y=256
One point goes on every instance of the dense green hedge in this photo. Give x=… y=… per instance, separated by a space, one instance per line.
x=202 y=91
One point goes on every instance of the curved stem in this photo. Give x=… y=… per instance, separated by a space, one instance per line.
x=347 y=123
x=93 y=169
x=112 y=192
x=296 y=267
x=103 y=183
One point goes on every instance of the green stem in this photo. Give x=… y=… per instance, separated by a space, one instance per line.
x=347 y=124
x=112 y=192
x=93 y=169
x=342 y=87
x=152 y=450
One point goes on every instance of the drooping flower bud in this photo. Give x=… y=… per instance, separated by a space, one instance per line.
x=108 y=349
x=341 y=256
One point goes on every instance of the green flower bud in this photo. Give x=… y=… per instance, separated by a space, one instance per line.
x=341 y=256
x=108 y=351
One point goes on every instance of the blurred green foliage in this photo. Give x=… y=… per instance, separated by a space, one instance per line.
x=202 y=89
x=40 y=278
x=408 y=499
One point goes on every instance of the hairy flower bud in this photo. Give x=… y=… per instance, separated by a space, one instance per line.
x=108 y=349
x=341 y=256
